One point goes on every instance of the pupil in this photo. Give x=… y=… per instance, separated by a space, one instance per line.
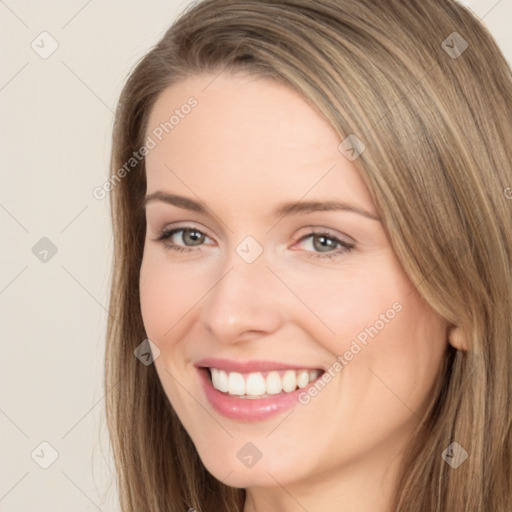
x=324 y=239
x=194 y=236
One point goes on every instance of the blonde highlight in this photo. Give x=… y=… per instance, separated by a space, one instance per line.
x=437 y=131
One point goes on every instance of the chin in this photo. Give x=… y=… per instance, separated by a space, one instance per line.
x=268 y=471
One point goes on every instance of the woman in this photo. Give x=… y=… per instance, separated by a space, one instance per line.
x=311 y=296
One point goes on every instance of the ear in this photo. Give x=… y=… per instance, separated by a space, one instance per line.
x=456 y=338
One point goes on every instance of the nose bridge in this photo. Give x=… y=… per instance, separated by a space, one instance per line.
x=243 y=297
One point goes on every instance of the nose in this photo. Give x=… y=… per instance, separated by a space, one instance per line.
x=246 y=302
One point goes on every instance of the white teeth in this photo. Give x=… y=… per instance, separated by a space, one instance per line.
x=273 y=383
x=289 y=381
x=255 y=385
x=302 y=378
x=214 y=372
x=222 y=380
x=236 y=383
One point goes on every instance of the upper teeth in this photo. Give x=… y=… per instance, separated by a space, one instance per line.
x=259 y=383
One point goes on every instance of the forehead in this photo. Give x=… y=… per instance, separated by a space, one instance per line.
x=246 y=136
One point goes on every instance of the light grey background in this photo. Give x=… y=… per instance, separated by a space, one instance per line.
x=56 y=119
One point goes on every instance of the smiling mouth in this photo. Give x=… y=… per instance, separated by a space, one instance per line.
x=257 y=385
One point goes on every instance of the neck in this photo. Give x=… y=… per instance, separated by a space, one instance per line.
x=358 y=487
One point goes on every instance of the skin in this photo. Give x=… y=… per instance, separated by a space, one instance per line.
x=249 y=145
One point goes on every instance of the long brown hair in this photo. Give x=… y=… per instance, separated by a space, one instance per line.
x=424 y=86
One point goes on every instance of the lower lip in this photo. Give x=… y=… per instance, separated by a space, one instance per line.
x=247 y=409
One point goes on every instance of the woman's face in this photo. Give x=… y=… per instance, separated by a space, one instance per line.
x=266 y=294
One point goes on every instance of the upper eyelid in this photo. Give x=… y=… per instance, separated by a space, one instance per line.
x=177 y=229
x=318 y=228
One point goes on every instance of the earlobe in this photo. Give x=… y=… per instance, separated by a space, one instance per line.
x=457 y=338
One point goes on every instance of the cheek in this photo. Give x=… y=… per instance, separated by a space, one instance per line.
x=397 y=365
x=386 y=334
x=166 y=295
x=356 y=304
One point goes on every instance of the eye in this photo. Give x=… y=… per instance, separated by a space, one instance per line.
x=190 y=237
x=326 y=245
x=322 y=243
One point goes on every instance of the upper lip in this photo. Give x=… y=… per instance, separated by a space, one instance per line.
x=249 y=366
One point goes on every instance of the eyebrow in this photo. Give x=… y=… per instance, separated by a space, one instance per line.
x=282 y=210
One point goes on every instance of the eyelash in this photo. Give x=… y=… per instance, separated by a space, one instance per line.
x=333 y=255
